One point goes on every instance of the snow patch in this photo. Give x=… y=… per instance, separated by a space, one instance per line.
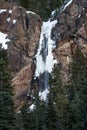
x=79 y=16
x=31 y=12
x=67 y=4
x=2 y=10
x=32 y=107
x=8 y=19
x=10 y=11
x=19 y=112
x=43 y=95
x=3 y=40
x=53 y=13
x=14 y=21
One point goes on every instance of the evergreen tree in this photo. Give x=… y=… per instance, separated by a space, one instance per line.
x=59 y=94
x=7 y=115
x=41 y=7
x=34 y=119
x=77 y=91
x=51 y=116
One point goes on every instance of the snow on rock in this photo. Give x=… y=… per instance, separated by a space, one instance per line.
x=8 y=19
x=79 y=16
x=67 y=4
x=43 y=95
x=19 y=112
x=53 y=12
x=10 y=11
x=30 y=12
x=2 y=10
x=48 y=65
x=14 y=21
x=32 y=107
x=3 y=40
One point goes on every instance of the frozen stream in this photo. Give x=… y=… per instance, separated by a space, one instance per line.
x=44 y=57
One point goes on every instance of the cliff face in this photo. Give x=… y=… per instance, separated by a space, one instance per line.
x=70 y=32
x=24 y=35
x=23 y=29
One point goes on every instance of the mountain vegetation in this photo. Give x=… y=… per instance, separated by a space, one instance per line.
x=7 y=114
x=66 y=108
x=66 y=105
x=41 y=7
x=77 y=91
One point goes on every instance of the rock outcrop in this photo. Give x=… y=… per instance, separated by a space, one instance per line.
x=23 y=29
x=70 y=32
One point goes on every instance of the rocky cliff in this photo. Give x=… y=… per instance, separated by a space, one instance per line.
x=23 y=29
x=70 y=32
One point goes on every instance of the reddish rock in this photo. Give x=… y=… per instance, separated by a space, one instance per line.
x=23 y=29
x=70 y=32
x=21 y=83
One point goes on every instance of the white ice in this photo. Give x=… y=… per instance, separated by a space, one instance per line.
x=30 y=12
x=67 y=4
x=53 y=12
x=10 y=11
x=32 y=107
x=3 y=40
x=8 y=19
x=14 y=21
x=41 y=66
x=2 y=10
x=43 y=95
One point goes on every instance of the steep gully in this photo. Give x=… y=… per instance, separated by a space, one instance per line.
x=44 y=57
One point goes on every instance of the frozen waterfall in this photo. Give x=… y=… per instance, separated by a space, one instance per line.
x=44 y=57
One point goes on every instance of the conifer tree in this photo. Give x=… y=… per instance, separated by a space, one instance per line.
x=51 y=116
x=34 y=119
x=60 y=100
x=41 y=7
x=77 y=91
x=7 y=114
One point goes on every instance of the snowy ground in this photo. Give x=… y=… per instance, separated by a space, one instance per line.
x=3 y=40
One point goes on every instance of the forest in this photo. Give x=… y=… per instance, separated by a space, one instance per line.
x=66 y=108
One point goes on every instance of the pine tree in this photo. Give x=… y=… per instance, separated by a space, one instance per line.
x=78 y=90
x=7 y=114
x=51 y=116
x=41 y=7
x=34 y=119
x=60 y=100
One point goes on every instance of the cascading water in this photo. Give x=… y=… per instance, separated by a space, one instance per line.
x=44 y=58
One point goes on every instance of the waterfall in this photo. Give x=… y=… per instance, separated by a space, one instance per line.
x=44 y=58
